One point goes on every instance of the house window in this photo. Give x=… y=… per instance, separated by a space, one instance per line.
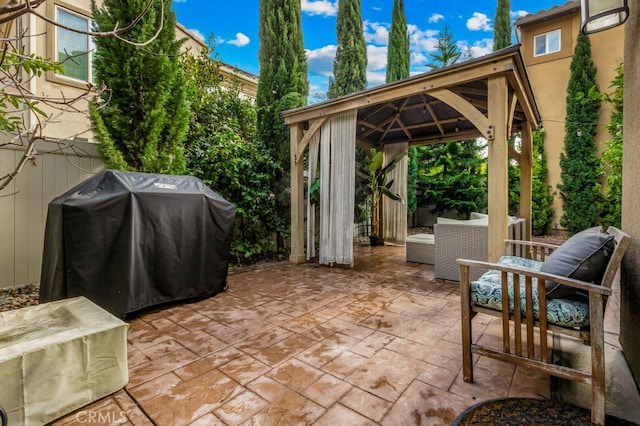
x=547 y=43
x=73 y=49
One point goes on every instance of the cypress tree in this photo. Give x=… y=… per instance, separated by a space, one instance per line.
x=502 y=25
x=541 y=196
x=612 y=155
x=145 y=116
x=283 y=81
x=579 y=164
x=398 y=51
x=350 y=63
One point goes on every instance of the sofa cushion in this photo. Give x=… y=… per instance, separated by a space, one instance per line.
x=487 y=292
x=584 y=257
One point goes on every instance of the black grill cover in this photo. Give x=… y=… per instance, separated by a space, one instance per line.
x=128 y=241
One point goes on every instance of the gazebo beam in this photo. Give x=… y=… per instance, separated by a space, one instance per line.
x=498 y=177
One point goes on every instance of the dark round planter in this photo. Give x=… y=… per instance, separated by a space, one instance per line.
x=375 y=241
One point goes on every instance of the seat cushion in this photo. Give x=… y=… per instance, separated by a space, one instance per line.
x=584 y=256
x=487 y=292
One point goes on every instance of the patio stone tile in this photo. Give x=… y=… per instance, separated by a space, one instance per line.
x=530 y=383
x=267 y=388
x=190 y=400
x=189 y=318
x=284 y=349
x=240 y=408
x=304 y=323
x=318 y=333
x=257 y=343
x=372 y=344
x=155 y=387
x=294 y=374
x=169 y=327
x=279 y=318
x=327 y=350
x=327 y=313
x=207 y=420
x=427 y=332
x=326 y=390
x=161 y=349
x=487 y=384
x=366 y=404
x=415 y=350
x=446 y=354
x=142 y=373
x=423 y=404
x=344 y=364
x=135 y=356
x=201 y=342
x=143 y=338
x=348 y=328
x=244 y=369
x=208 y=363
x=341 y=415
x=391 y=323
x=437 y=376
x=387 y=374
x=290 y=409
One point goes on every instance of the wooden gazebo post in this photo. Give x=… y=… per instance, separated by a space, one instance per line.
x=498 y=185
x=297 y=254
x=526 y=176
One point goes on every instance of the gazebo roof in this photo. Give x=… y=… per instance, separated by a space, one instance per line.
x=419 y=111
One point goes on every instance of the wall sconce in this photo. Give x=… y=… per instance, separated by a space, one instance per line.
x=600 y=15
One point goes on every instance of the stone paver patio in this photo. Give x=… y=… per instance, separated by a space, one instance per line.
x=309 y=344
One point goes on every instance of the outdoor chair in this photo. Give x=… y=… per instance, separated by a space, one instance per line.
x=558 y=293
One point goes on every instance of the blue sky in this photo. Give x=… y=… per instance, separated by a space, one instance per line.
x=235 y=26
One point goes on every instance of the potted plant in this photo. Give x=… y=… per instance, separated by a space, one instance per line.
x=374 y=177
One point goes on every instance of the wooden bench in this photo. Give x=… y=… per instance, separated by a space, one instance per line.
x=537 y=311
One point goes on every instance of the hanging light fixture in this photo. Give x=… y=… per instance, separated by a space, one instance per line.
x=600 y=15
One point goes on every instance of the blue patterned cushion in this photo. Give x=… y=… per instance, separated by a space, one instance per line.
x=487 y=292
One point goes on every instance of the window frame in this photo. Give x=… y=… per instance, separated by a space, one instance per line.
x=53 y=7
x=546 y=43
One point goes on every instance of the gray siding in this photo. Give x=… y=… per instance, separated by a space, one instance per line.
x=24 y=203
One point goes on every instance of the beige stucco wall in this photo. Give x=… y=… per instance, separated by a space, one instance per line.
x=549 y=76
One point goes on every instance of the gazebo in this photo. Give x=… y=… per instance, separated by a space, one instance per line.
x=487 y=97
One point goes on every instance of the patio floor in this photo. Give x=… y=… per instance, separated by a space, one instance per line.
x=309 y=344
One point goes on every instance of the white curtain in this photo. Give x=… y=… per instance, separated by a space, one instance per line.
x=337 y=185
x=394 y=216
x=312 y=175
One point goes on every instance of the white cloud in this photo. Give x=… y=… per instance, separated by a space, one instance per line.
x=196 y=33
x=422 y=41
x=240 y=40
x=319 y=7
x=435 y=18
x=418 y=58
x=376 y=78
x=320 y=61
x=480 y=47
x=375 y=32
x=376 y=57
x=479 y=22
x=515 y=14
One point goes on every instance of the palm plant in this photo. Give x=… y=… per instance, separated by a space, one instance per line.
x=375 y=179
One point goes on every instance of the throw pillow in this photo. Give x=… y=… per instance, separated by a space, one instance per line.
x=584 y=257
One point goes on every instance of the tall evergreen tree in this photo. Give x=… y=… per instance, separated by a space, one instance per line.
x=612 y=155
x=541 y=196
x=143 y=123
x=447 y=52
x=579 y=164
x=350 y=63
x=283 y=81
x=502 y=25
x=398 y=54
x=398 y=66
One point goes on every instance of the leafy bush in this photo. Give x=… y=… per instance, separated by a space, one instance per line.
x=222 y=150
